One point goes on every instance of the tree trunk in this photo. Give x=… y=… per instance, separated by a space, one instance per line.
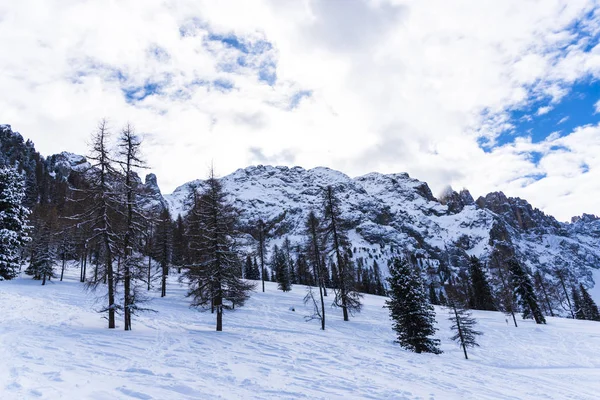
x=562 y=282
x=322 y=307
x=111 y=286
x=163 y=291
x=340 y=261
x=62 y=271
x=83 y=276
x=149 y=245
x=127 y=299
x=261 y=253
x=460 y=332
x=219 y=318
x=82 y=260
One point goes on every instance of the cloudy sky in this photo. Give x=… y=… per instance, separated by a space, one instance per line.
x=487 y=95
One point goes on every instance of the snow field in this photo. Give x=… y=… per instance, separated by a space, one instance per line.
x=54 y=346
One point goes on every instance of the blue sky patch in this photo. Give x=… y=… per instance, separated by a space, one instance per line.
x=223 y=84
x=159 y=53
x=134 y=94
x=298 y=96
x=268 y=72
x=540 y=118
x=243 y=45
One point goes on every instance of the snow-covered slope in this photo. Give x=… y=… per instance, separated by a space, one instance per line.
x=389 y=213
x=54 y=346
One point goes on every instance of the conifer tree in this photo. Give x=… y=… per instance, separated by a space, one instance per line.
x=179 y=244
x=248 y=267
x=261 y=234
x=464 y=325
x=280 y=266
x=524 y=290
x=541 y=287
x=577 y=303
x=563 y=275
x=313 y=247
x=335 y=234
x=101 y=204
x=590 y=309
x=13 y=222
x=433 y=297
x=378 y=280
x=255 y=270
x=412 y=315
x=43 y=248
x=482 y=298
x=442 y=299
x=193 y=227
x=506 y=293
x=335 y=276
x=214 y=277
x=287 y=251
x=163 y=248
x=303 y=273
x=129 y=158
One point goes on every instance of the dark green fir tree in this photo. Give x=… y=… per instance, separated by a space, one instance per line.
x=412 y=315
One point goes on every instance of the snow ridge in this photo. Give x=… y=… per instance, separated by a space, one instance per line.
x=392 y=212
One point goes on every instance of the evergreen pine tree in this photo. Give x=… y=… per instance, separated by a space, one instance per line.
x=163 y=248
x=214 y=278
x=286 y=248
x=281 y=268
x=260 y=233
x=179 y=244
x=248 y=267
x=590 y=309
x=255 y=270
x=524 y=290
x=577 y=304
x=43 y=246
x=13 y=222
x=303 y=273
x=335 y=276
x=433 y=298
x=413 y=317
x=378 y=280
x=442 y=299
x=482 y=298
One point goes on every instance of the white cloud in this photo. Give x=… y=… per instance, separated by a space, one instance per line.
x=395 y=85
x=543 y=110
x=563 y=120
x=597 y=107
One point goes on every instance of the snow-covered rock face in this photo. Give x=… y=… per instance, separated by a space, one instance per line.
x=389 y=213
x=151 y=198
x=61 y=165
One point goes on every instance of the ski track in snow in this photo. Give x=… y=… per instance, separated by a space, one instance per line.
x=54 y=346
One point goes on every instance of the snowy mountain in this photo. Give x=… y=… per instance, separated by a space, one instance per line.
x=388 y=213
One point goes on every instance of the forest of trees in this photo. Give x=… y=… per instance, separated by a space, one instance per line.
x=95 y=218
